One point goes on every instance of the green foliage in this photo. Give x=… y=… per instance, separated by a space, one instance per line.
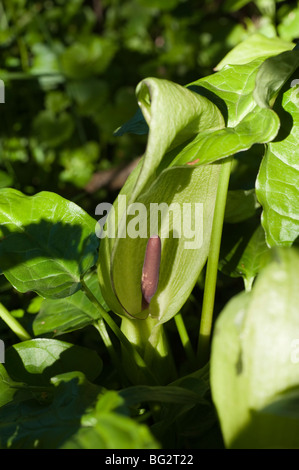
x=47 y=243
x=254 y=359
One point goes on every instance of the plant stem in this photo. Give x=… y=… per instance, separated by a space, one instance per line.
x=101 y=328
x=184 y=338
x=133 y=354
x=212 y=265
x=13 y=324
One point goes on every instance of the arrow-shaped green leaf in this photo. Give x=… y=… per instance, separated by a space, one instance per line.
x=46 y=243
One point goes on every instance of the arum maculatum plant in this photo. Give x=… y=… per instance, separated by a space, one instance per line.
x=193 y=133
x=143 y=268
x=156 y=261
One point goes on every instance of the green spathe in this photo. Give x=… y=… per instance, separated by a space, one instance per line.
x=174 y=114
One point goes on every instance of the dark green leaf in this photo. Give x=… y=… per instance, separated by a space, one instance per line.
x=136 y=125
x=168 y=394
x=105 y=427
x=240 y=205
x=243 y=250
x=50 y=416
x=52 y=130
x=9 y=388
x=64 y=315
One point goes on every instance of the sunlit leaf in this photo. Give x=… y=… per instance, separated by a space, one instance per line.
x=47 y=243
x=254 y=361
x=277 y=183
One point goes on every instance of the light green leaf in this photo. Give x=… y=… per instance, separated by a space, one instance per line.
x=45 y=65
x=106 y=427
x=247 y=124
x=254 y=361
x=277 y=183
x=257 y=45
x=288 y=27
x=47 y=243
x=87 y=58
x=232 y=90
x=272 y=75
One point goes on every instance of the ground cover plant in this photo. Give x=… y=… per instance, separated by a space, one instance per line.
x=209 y=357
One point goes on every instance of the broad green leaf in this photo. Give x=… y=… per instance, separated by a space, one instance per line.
x=231 y=88
x=257 y=45
x=107 y=428
x=111 y=431
x=273 y=74
x=50 y=415
x=9 y=388
x=61 y=316
x=72 y=313
x=244 y=251
x=247 y=123
x=47 y=243
x=254 y=361
x=277 y=182
x=36 y=361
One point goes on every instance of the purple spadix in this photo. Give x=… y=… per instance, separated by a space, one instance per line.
x=150 y=270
